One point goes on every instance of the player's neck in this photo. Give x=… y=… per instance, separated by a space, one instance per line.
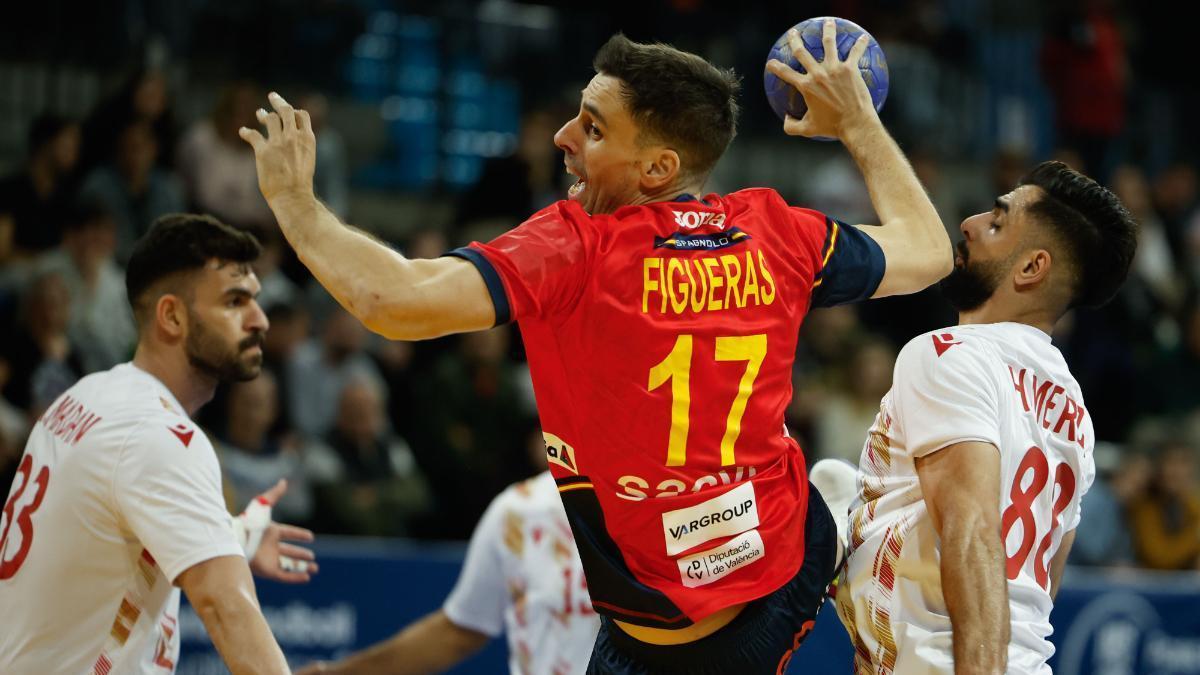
x=996 y=310
x=171 y=367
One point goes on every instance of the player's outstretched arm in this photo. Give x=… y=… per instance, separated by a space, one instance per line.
x=961 y=485
x=432 y=644
x=398 y=298
x=222 y=593
x=914 y=241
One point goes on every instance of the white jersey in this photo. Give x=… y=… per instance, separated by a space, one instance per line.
x=1003 y=384
x=522 y=575
x=117 y=494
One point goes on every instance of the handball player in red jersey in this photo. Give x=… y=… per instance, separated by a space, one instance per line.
x=660 y=325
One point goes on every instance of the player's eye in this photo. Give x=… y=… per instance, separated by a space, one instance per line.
x=591 y=130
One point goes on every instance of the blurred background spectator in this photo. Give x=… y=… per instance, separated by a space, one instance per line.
x=38 y=193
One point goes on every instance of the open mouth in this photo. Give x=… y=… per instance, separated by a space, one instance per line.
x=578 y=186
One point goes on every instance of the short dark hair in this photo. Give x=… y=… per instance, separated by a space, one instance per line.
x=676 y=97
x=1098 y=232
x=182 y=242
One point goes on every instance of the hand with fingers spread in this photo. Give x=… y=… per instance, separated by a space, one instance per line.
x=286 y=157
x=265 y=541
x=834 y=91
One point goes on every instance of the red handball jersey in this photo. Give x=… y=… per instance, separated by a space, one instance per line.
x=660 y=340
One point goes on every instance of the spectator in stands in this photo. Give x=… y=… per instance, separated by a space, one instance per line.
x=101 y=324
x=471 y=440
x=289 y=329
x=134 y=188
x=1102 y=537
x=254 y=457
x=142 y=98
x=12 y=269
x=845 y=413
x=39 y=352
x=36 y=195
x=1156 y=277
x=377 y=489
x=512 y=187
x=217 y=167
x=320 y=368
x=1166 y=519
x=1085 y=67
x=1175 y=378
x=14 y=427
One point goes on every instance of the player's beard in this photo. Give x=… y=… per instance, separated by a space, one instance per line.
x=207 y=353
x=971 y=284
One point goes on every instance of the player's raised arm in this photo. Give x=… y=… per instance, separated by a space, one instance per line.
x=914 y=241
x=392 y=295
x=961 y=484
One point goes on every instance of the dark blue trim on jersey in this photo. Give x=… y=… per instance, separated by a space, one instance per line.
x=854 y=270
x=491 y=278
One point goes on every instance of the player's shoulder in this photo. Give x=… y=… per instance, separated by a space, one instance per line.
x=955 y=347
x=150 y=416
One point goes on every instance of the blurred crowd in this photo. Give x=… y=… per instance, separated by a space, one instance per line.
x=413 y=439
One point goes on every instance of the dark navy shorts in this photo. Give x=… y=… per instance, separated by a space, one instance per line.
x=760 y=639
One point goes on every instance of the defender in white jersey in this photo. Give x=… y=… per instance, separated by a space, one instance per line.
x=522 y=576
x=970 y=481
x=117 y=502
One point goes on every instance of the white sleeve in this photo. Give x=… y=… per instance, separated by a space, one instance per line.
x=479 y=597
x=945 y=397
x=168 y=490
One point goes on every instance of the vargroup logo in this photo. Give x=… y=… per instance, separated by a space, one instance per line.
x=728 y=514
x=558 y=452
x=701 y=242
x=690 y=220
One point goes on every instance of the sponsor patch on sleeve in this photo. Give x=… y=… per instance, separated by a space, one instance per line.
x=725 y=515
x=708 y=566
x=558 y=452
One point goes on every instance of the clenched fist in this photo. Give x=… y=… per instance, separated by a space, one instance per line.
x=287 y=157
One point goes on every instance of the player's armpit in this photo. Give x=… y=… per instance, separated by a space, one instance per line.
x=961 y=487
x=1059 y=563
x=222 y=593
x=914 y=262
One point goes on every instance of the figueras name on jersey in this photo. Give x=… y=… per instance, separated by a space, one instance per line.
x=706 y=284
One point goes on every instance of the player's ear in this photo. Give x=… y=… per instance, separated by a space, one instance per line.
x=1035 y=268
x=660 y=170
x=170 y=315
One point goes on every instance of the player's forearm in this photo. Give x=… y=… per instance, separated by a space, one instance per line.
x=373 y=282
x=240 y=633
x=900 y=200
x=973 y=583
x=431 y=645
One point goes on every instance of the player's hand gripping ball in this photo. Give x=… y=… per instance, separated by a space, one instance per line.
x=786 y=100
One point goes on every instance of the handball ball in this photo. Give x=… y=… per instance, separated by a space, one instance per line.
x=786 y=100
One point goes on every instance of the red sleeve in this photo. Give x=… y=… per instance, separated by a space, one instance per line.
x=537 y=269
